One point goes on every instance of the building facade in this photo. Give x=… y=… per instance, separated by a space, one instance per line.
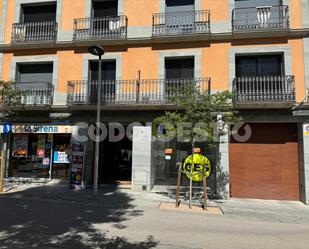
x=258 y=49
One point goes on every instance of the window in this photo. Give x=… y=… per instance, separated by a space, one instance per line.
x=256 y=3
x=179 y=5
x=108 y=70
x=108 y=78
x=180 y=15
x=179 y=68
x=259 y=65
x=42 y=72
x=104 y=8
x=38 y=13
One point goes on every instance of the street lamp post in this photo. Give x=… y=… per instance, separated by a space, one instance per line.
x=97 y=51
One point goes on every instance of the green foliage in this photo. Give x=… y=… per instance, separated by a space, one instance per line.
x=10 y=99
x=201 y=109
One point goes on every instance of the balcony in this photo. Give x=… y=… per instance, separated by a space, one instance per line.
x=266 y=90
x=123 y=92
x=262 y=18
x=180 y=23
x=34 y=32
x=36 y=93
x=100 y=28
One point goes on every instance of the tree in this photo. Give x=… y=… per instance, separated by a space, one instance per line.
x=205 y=116
x=10 y=99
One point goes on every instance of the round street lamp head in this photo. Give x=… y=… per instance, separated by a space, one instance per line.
x=96 y=50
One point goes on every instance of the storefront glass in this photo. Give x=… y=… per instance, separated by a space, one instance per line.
x=30 y=155
x=165 y=165
x=37 y=151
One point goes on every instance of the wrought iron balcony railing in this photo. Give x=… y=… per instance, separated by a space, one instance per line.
x=103 y=27
x=34 y=32
x=131 y=91
x=260 y=18
x=35 y=93
x=178 y=23
x=264 y=89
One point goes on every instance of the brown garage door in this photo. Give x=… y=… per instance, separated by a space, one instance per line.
x=266 y=166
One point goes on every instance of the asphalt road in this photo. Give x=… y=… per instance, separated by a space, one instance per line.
x=47 y=219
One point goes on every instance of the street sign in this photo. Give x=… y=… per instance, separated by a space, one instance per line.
x=7 y=128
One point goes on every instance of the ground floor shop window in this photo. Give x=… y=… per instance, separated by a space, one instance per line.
x=30 y=155
x=36 y=155
x=165 y=164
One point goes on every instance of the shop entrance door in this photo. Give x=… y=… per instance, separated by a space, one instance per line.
x=61 y=164
x=115 y=162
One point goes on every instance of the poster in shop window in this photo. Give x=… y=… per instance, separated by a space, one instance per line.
x=60 y=157
x=41 y=146
x=20 y=145
x=77 y=166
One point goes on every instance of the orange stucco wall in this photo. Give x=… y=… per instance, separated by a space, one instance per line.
x=70 y=68
x=6 y=66
x=139 y=12
x=71 y=9
x=298 y=67
x=295 y=14
x=219 y=10
x=215 y=65
x=144 y=59
x=9 y=20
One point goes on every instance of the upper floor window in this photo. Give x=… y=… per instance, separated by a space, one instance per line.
x=179 y=68
x=43 y=12
x=259 y=65
x=256 y=3
x=104 y=23
x=35 y=81
x=253 y=15
x=36 y=72
x=108 y=70
x=104 y=8
x=179 y=5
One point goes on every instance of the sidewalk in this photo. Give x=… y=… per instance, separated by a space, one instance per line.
x=53 y=216
x=263 y=210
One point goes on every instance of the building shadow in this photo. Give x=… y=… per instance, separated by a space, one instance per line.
x=56 y=217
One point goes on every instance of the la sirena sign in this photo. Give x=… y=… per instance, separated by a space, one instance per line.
x=25 y=128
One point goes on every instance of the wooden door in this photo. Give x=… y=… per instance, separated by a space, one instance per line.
x=266 y=166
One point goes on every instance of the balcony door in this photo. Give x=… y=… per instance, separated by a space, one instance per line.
x=259 y=13
x=108 y=80
x=35 y=80
x=104 y=8
x=179 y=16
x=37 y=22
x=104 y=13
x=31 y=13
x=256 y=3
x=260 y=77
x=262 y=65
x=179 y=72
